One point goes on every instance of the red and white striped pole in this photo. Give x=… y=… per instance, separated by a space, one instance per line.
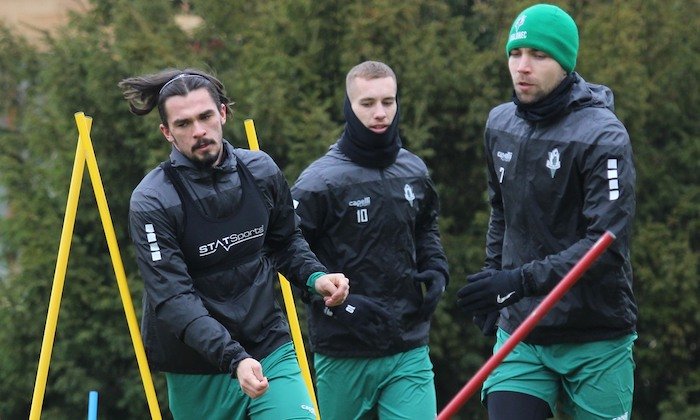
x=528 y=325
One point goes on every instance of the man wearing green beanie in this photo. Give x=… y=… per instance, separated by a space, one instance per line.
x=560 y=174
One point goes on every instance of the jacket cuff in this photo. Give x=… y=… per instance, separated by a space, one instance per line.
x=311 y=282
x=233 y=366
x=529 y=282
x=442 y=271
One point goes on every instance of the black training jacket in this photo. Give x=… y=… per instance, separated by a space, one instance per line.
x=209 y=323
x=554 y=189
x=378 y=227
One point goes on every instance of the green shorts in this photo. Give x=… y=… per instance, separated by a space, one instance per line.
x=592 y=380
x=215 y=397
x=399 y=386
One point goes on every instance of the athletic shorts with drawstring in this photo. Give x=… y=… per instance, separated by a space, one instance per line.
x=592 y=380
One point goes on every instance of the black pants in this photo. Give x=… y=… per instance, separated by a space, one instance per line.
x=506 y=405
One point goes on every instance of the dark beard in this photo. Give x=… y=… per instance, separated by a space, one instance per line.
x=208 y=161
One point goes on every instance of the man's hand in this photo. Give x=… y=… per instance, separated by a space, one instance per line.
x=435 y=286
x=364 y=318
x=333 y=287
x=487 y=323
x=250 y=376
x=490 y=290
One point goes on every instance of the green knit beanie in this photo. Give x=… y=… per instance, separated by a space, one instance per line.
x=549 y=29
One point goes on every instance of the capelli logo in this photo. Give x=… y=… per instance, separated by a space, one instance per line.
x=363 y=202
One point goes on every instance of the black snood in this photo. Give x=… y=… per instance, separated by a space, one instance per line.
x=365 y=147
x=551 y=106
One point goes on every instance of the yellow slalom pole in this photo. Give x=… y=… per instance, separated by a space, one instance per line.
x=86 y=143
x=58 y=281
x=288 y=296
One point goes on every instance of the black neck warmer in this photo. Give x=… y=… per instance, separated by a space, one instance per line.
x=551 y=106
x=365 y=147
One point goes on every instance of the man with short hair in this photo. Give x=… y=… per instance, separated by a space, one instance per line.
x=369 y=209
x=560 y=174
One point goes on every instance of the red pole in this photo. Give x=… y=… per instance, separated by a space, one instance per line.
x=527 y=326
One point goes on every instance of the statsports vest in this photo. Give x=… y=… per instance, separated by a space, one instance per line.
x=211 y=244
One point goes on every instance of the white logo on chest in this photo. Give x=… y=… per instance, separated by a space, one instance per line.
x=553 y=162
x=408 y=193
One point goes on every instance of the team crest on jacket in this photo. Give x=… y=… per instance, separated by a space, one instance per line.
x=408 y=193
x=553 y=162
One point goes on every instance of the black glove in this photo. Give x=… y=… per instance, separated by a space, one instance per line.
x=435 y=286
x=363 y=317
x=487 y=323
x=490 y=290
